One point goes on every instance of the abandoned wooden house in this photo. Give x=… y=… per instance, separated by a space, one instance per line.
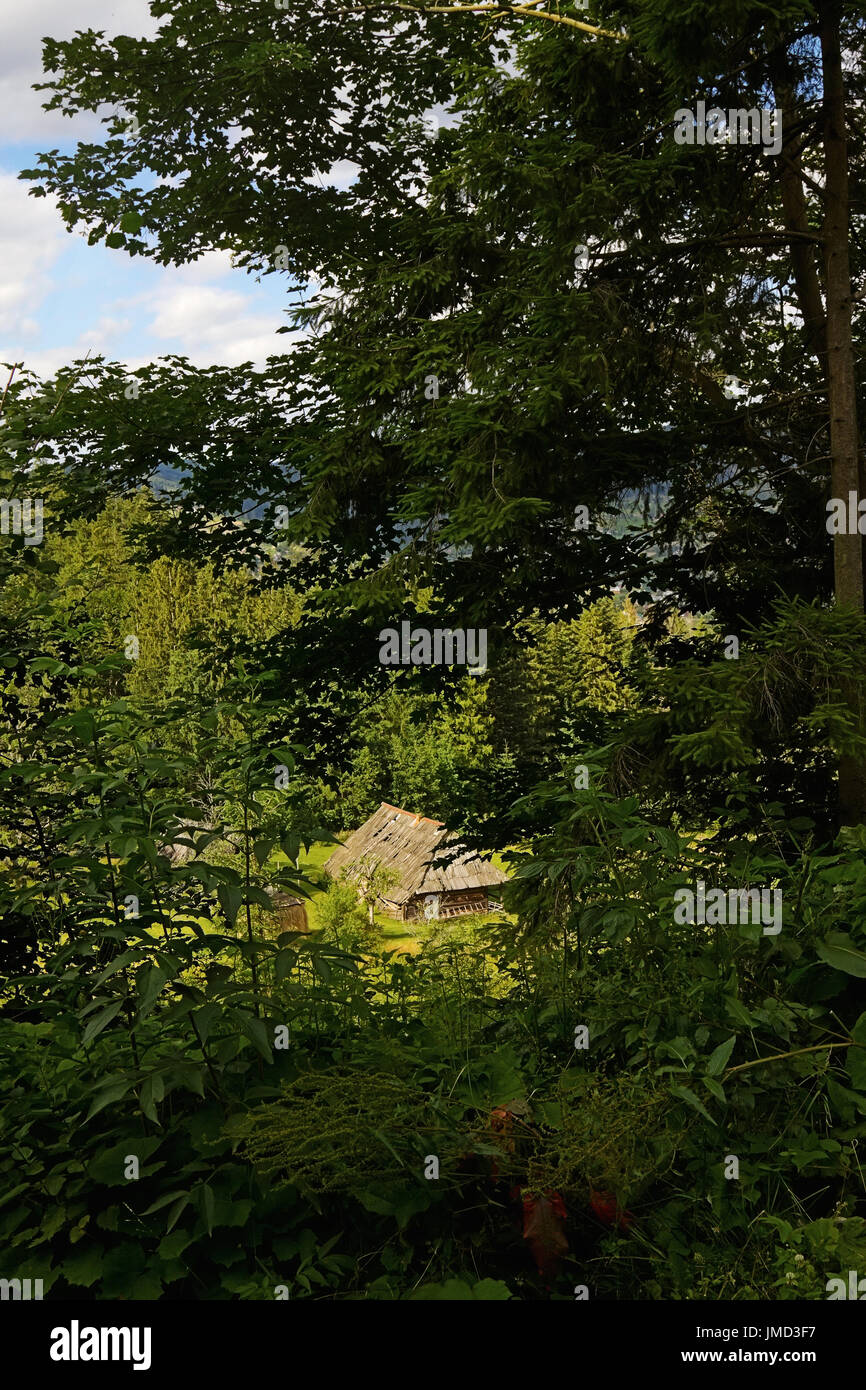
x=434 y=875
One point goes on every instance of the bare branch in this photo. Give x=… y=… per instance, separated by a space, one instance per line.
x=525 y=10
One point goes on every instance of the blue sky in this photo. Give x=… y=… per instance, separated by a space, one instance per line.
x=59 y=297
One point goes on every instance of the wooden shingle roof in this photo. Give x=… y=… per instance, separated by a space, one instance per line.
x=423 y=852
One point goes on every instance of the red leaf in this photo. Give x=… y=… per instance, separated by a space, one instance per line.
x=543 y=1217
x=609 y=1211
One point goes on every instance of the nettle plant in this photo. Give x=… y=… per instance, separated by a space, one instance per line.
x=163 y=989
x=753 y=1045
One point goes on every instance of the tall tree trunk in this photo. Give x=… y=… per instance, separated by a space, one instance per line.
x=841 y=390
x=807 y=283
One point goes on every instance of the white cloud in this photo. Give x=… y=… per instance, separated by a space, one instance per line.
x=47 y=290
x=340 y=175
x=210 y=324
x=22 y=28
x=32 y=243
x=212 y=265
x=46 y=361
x=31 y=239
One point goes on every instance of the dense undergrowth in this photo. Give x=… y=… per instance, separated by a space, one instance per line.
x=587 y=1095
x=194 y=1111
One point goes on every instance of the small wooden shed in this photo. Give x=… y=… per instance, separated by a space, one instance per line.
x=289 y=913
x=437 y=876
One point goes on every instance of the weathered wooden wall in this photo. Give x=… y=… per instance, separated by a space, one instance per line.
x=453 y=903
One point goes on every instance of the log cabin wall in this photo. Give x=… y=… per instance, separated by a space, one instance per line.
x=454 y=903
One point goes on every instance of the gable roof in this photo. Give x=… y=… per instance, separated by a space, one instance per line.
x=422 y=851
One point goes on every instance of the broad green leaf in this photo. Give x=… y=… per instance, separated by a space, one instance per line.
x=152 y=1093
x=150 y=979
x=205 y=1018
x=491 y=1291
x=720 y=1056
x=164 y=1201
x=691 y=1099
x=119 y=963
x=83 y=1267
x=255 y=1030
x=115 y=1091
x=286 y=960
x=100 y=1021
x=838 y=950
x=452 y=1291
x=172 y=1247
x=230 y=897
x=108 y=1165
x=738 y=1012
x=207 y=1206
